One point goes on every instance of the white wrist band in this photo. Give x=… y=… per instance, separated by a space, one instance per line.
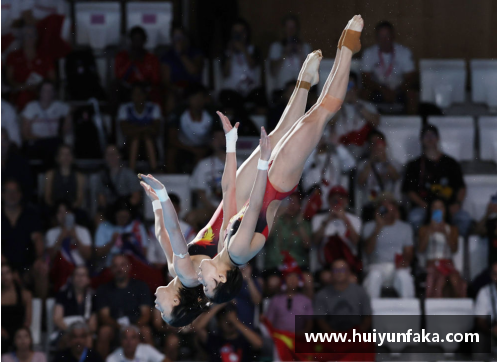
x=231 y=138
x=156 y=205
x=182 y=256
x=262 y=165
x=162 y=194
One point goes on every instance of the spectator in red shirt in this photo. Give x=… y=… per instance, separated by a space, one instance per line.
x=27 y=68
x=137 y=65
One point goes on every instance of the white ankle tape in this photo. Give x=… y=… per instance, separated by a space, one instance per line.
x=231 y=138
x=156 y=205
x=262 y=165
x=162 y=194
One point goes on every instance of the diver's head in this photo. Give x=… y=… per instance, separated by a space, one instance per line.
x=220 y=283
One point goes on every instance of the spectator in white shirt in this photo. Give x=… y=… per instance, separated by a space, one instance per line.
x=41 y=121
x=335 y=233
x=388 y=70
x=287 y=55
x=132 y=350
x=10 y=123
x=388 y=244
x=486 y=305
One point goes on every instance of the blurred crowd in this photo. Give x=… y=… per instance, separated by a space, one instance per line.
x=102 y=264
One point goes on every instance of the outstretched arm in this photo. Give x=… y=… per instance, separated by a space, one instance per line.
x=228 y=182
x=243 y=249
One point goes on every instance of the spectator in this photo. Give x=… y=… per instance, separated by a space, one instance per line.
x=140 y=124
x=249 y=297
x=388 y=70
x=75 y=303
x=69 y=245
x=344 y=305
x=231 y=340
x=79 y=348
x=15 y=166
x=190 y=131
x=377 y=174
x=172 y=339
x=23 y=348
x=16 y=309
x=240 y=69
x=41 y=121
x=486 y=306
x=155 y=254
x=22 y=239
x=439 y=240
x=122 y=302
x=288 y=54
x=355 y=120
x=291 y=234
x=137 y=65
x=10 y=123
x=181 y=66
x=388 y=244
x=284 y=307
x=123 y=233
x=336 y=233
x=132 y=350
x=64 y=182
x=116 y=181
x=432 y=175
x=26 y=68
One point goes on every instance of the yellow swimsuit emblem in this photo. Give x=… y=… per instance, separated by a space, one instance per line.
x=207 y=238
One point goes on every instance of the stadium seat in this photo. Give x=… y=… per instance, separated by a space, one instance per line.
x=177 y=184
x=480 y=188
x=98 y=24
x=484 y=81
x=449 y=307
x=478 y=255
x=402 y=135
x=396 y=307
x=154 y=17
x=456 y=136
x=36 y=320
x=488 y=138
x=442 y=81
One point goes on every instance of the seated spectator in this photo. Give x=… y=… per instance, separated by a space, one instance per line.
x=140 y=125
x=16 y=309
x=323 y=170
x=75 y=303
x=388 y=244
x=15 y=166
x=287 y=55
x=42 y=121
x=181 y=66
x=132 y=350
x=249 y=297
x=171 y=336
x=355 y=120
x=240 y=69
x=486 y=307
x=23 y=348
x=22 y=239
x=137 y=65
x=432 y=175
x=284 y=307
x=69 y=245
x=388 y=70
x=121 y=233
x=26 y=68
x=190 y=132
x=10 y=123
x=290 y=234
x=79 y=349
x=377 y=174
x=155 y=254
x=336 y=233
x=439 y=240
x=231 y=340
x=344 y=305
x=122 y=302
x=117 y=181
x=64 y=182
